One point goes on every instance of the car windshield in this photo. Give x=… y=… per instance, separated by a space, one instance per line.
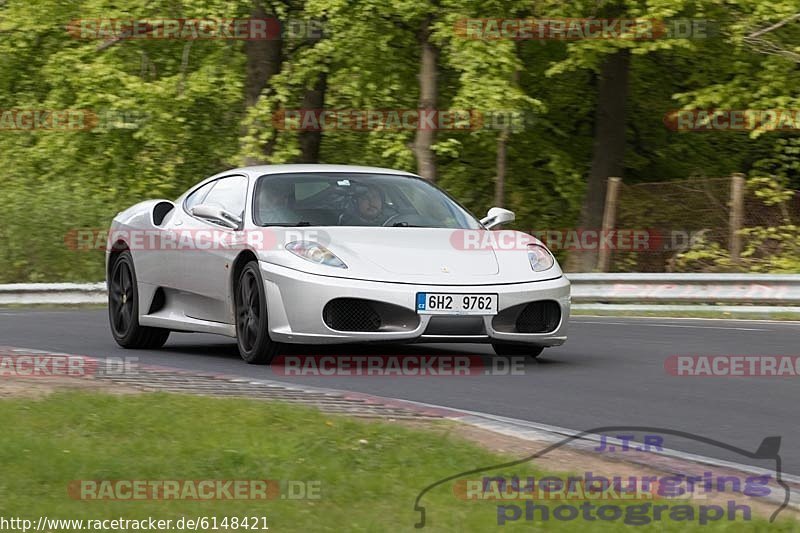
x=355 y=199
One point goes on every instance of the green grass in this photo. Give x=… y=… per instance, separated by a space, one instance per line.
x=44 y=444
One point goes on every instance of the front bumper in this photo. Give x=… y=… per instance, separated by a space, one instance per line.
x=295 y=301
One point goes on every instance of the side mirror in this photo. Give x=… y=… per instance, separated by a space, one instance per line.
x=217 y=215
x=497 y=216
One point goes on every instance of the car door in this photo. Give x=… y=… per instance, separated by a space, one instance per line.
x=162 y=264
x=208 y=250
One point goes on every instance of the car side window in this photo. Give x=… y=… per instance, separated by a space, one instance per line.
x=229 y=193
x=197 y=197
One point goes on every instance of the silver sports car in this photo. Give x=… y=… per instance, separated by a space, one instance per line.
x=318 y=254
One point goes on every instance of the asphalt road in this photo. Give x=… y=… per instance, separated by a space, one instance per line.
x=610 y=372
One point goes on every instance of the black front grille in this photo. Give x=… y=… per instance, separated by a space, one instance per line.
x=539 y=317
x=456 y=325
x=351 y=314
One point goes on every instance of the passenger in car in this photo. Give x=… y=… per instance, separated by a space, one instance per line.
x=274 y=204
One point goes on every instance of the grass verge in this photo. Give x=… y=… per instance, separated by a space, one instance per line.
x=369 y=474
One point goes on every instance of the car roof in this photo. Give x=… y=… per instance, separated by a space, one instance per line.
x=260 y=170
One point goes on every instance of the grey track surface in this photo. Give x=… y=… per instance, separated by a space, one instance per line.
x=610 y=372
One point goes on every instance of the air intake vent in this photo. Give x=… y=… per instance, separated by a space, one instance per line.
x=351 y=314
x=159 y=301
x=539 y=317
x=450 y=325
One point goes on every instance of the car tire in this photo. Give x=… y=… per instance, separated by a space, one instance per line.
x=123 y=308
x=250 y=307
x=530 y=350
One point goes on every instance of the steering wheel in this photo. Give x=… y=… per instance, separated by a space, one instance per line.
x=393 y=218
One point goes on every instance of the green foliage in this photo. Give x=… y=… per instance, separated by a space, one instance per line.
x=767 y=249
x=172 y=111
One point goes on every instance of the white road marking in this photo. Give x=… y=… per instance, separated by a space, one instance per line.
x=692 y=318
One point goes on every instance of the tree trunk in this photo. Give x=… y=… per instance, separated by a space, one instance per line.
x=310 y=141
x=264 y=59
x=609 y=150
x=426 y=159
x=500 y=180
x=502 y=155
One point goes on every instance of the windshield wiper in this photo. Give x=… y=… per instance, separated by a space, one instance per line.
x=404 y=225
x=288 y=224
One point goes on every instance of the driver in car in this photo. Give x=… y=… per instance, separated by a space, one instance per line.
x=370 y=204
x=368 y=209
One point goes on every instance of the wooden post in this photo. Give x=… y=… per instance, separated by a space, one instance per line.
x=736 y=216
x=609 y=220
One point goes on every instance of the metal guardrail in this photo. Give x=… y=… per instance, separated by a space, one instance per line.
x=734 y=294
x=763 y=289
x=752 y=293
x=53 y=293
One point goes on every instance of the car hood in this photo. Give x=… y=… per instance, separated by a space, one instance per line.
x=410 y=255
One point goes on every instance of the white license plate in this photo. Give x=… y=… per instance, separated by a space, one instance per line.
x=434 y=303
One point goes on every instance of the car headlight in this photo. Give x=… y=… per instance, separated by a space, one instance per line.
x=316 y=253
x=540 y=257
